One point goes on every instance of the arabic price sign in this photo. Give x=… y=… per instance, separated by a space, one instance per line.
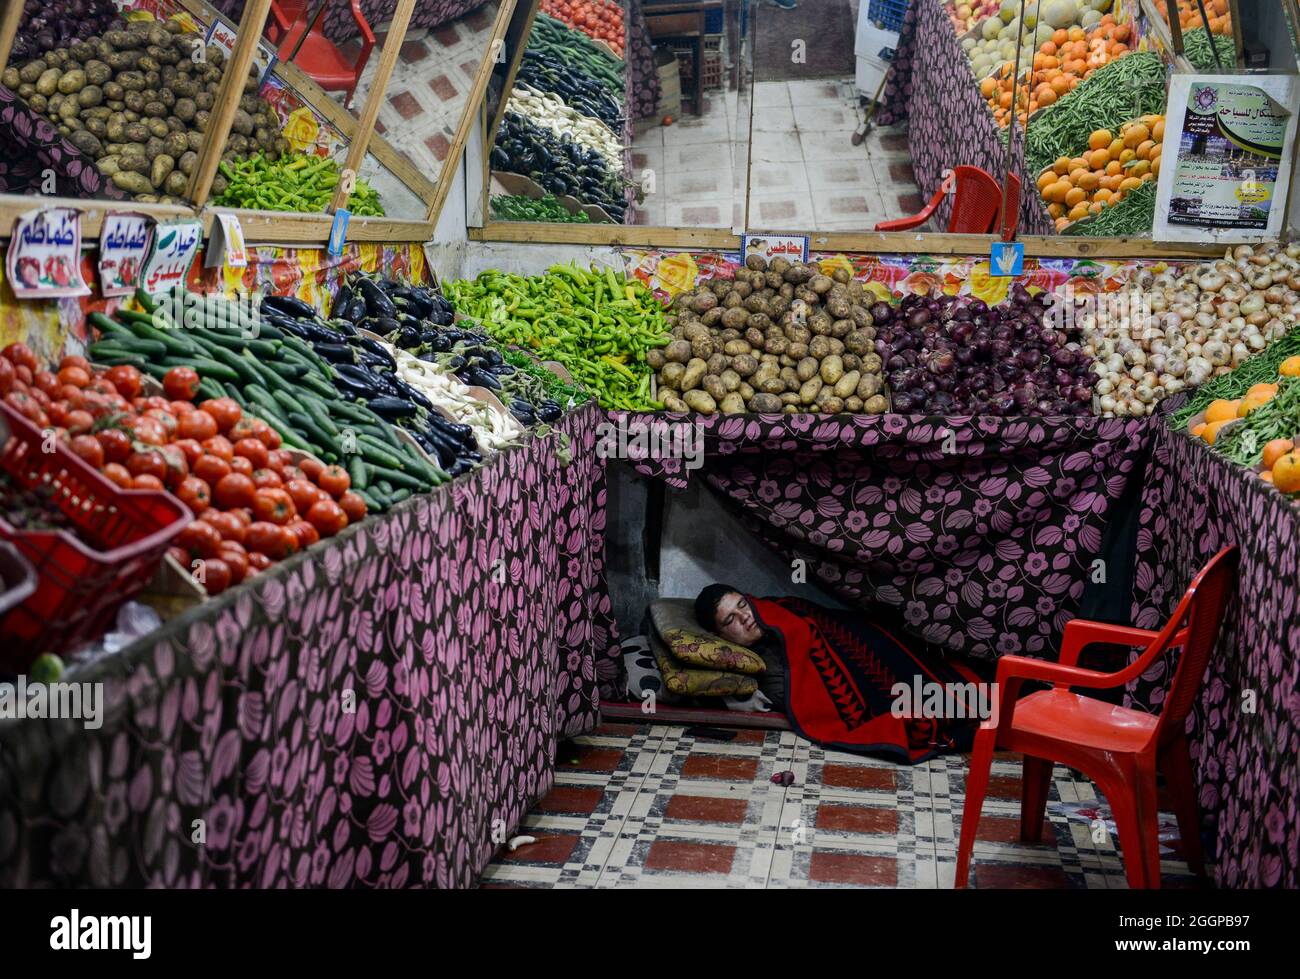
x=792 y=247
x=1230 y=142
x=123 y=246
x=226 y=246
x=45 y=254
x=175 y=243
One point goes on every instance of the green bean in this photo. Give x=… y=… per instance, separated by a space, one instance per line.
x=1259 y=369
x=1196 y=46
x=1278 y=419
x=1134 y=215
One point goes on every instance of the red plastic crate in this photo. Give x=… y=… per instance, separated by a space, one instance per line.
x=82 y=580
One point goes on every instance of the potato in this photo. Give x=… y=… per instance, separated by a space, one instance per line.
x=671 y=375
x=876 y=405
x=695 y=369
x=756 y=263
x=177 y=183
x=735 y=318
x=703 y=347
x=679 y=352
x=848 y=384
x=134 y=183
x=832 y=369
x=31 y=71
x=832 y=405
x=741 y=288
x=808 y=393
x=820 y=348
x=737 y=348
x=675 y=404
x=766 y=404
x=791 y=398
x=841 y=328
x=806 y=369
x=869 y=386
x=745 y=364
x=772 y=384
x=713 y=387
x=821 y=284
x=703 y=302
x=773 y=280
x=855 y=341
x=134 y=161
x=655 y=357
x=718 y=363
x=48 y=83
x=162 y=167
x=700 y=401
x=853 y=404
x=107 y=165
x=871 y=363
x=732 y=404
x=88 y=143
x=730 y=380
x=791 y=379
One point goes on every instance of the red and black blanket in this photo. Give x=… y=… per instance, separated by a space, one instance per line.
x=843 y=677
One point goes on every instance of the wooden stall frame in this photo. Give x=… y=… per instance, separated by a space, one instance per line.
x=374 y=101
x=473 y=105
x=9 y=21
x=226 y=102
x=516 y=41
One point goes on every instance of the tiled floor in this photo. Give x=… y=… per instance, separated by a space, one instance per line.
x=640 y=805
x=805 y=173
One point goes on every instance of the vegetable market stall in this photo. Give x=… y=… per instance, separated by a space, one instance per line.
x=1243 y=731
x=377 y=712
x=338 y=24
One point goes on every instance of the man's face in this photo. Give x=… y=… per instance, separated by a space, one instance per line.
x=736 y=620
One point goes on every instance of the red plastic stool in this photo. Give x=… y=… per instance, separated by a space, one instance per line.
x=1119 y=749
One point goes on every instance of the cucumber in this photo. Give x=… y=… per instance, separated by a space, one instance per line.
x=359 y=471
x=375 y=502
x=318 y=412
x=289 y=371
x=210 y=389
x=204 y=367
x=400 y=479
x=377 y=455
x=176 y=344
x=304 y=424
x=319 y=385
x=236 y=395
x=291 y=438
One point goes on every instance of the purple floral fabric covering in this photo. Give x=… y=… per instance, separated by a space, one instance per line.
x=980 y=531
x=469 y=625
x=1247 y=763
x=641 y=83
x=897 y=96
x=949 y=122
x=30 y=144
x=338 y=24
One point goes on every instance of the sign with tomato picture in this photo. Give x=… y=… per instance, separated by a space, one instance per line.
x=123 y=247
x=44 y=257
x=174 y=246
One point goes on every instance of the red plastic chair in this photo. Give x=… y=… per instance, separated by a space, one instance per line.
x=319 y=57
x=1119 y=749
x=976 y=205
x=284 y=13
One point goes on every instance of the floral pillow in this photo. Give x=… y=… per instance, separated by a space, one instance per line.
x=674 y=621
x=699 y=683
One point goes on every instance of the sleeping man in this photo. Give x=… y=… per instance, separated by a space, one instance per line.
x=838 y=676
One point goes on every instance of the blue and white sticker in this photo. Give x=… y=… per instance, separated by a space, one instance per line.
x=339 y=231
x=1008 y=258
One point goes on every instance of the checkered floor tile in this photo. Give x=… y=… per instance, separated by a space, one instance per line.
x=647 y=805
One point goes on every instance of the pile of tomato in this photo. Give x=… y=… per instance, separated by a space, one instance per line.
x=255 y=503
x=602 y=19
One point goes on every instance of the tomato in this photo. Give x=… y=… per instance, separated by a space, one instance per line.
x=78 y=422
x=334 y=480
x=245 y=515
x=216 y=575
x=147 y=481
x=197 y=425
x=102 y=385
x=57 y=413
x=71 y=397
x=252 y=450
x=89 y=450
x=327 y=517
x=273 y=505
x=233 y=490
x=353 y=505
x=126 y=379
x=20 y=355
x=242 y=429
x=291 y=472
x=257 y=561
x=115 y=443
x=267 y=434
x=193 y=451
x=266 y=538
x=224 y=411
x=149 y=463
x=149 y=430
x=306 y=534
x=164 y=418
x=6 y=376
x=200 y=539
x=76 y=376
x=25 y=405
x=219 y=446
x=312 y=468
x=194 y=493
x=153 y=401
x=304 y=494
x=179 y=408
x=238 y=563
x=267 y=479
x=47 y=382
x=118 y=473
x=211 y=469
x=181 y=384
x=229 y=526
x=242 y=464
x=179 y=555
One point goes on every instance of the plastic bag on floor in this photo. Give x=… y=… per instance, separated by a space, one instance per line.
x=1087 y=812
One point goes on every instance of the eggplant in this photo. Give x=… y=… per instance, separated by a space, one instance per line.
x=335 y=353
x=549 y=411
x=377 y=304
x=378 y=349
x=289 y=306
x=356 y=310
x=392 y=408
x=357 y=382
x=342 y=300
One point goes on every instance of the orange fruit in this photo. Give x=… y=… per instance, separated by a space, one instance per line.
x=1251 y=402
x=1221 y=410
x=1212 y=430
x=1100 y=140
x=1275 y=450
x=1196 y=429
x=1290 y=367
x=1262 y=390
x=1286 y=473
x=1266 y=476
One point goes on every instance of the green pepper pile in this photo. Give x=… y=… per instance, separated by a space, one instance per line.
x=598 y=324
x=520 y=207
x=295 y=182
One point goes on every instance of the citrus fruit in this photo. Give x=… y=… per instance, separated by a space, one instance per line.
x=1212 y=430
x=1262 y=390
x=1198 y=429
x=1266 y=476
x=1286 y=473
x=1251 y=402
x=1290 y=367
x=1275 y=450
x=1221 y=410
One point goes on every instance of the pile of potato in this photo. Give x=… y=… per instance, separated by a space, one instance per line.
x=137 y=101
x=776 y=338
